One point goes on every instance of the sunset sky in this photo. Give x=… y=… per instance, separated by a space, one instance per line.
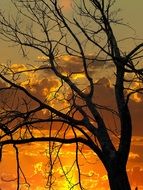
x=34 y=157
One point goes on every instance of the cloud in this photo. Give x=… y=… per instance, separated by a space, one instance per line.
x=133 y=156
x=74 y=64
x=44 y=86
x=137 y=140
x=8 y=177
x=104 y=95
x=18 y=67
x=137 y=97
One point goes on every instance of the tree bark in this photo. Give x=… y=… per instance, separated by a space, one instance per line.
x=118 y=179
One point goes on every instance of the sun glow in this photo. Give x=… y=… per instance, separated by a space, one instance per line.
x=66 y=58
x=65 y=4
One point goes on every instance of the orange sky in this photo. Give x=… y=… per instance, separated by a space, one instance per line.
x=33 y=157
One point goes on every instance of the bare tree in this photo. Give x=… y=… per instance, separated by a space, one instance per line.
x=45 y=27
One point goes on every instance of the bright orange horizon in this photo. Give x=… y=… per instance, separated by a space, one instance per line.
x=33 y=161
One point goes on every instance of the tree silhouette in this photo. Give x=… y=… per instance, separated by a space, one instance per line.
x=70 y=107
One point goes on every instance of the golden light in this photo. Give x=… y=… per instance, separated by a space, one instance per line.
x=133 y=155
x=66 y=58
x=42 y=58
x=18 y=67
x=78 y=76
x=136 y=97
x=38 y=168
x=45 y=91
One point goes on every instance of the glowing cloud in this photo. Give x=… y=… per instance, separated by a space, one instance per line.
x=133 y=155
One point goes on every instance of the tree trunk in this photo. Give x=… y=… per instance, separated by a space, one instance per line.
x=118 y=179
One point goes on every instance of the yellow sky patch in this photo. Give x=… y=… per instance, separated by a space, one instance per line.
x=133 y=155
x=78 y=76
x=18 y=67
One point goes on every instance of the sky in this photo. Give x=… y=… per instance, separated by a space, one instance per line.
x=33 y=157
x=131 y=12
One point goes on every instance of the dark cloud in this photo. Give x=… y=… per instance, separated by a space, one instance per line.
x=104 y=95
x=74 y=64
